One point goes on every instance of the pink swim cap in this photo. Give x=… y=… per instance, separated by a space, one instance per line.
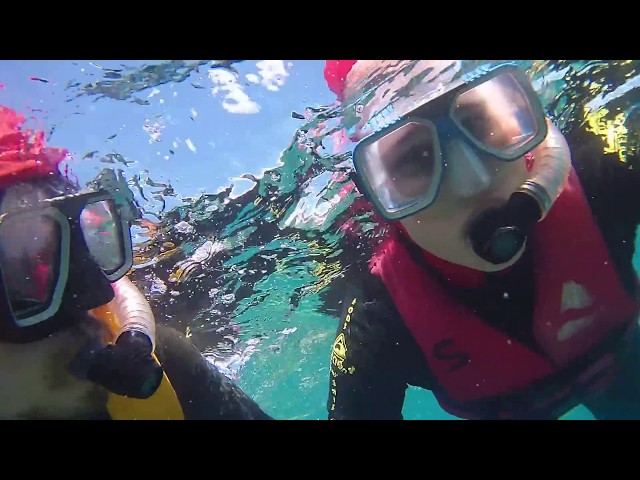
x=23 y=154
x=335 y=73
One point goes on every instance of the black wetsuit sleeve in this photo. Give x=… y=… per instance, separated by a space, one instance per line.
x=204 y=392
x=612 y=189
x=605 y=177
x=372 y=360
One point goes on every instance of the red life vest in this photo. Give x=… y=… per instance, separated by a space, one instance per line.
x=579 y=301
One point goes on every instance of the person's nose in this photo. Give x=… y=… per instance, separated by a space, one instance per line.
x=467 y=173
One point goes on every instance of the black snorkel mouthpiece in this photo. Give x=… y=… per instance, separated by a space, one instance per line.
x=499 y=234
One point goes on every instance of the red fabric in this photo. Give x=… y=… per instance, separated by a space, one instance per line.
x=23 y=154
x=571 y=263
x=456 y=275
x=335 y=73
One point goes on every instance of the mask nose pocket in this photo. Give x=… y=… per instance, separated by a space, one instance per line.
x=467 y=173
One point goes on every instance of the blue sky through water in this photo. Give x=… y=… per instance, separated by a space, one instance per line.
x=200 y=134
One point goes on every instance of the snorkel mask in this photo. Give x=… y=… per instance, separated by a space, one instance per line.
x=491 y=112
x=59 y=252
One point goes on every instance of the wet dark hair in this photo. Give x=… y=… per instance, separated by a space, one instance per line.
x=25 y=194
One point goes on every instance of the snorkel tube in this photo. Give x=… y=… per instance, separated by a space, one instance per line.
x=550 y=170
x=498 y=235
x=129 y=311
x=127 y=314
x=121 y=359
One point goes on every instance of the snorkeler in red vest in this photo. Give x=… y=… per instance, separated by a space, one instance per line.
x=504 y=283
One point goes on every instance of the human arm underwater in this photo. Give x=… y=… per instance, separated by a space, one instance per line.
x=604 y=173
x=204 y=392
x=373 y=359
x=612 y=189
